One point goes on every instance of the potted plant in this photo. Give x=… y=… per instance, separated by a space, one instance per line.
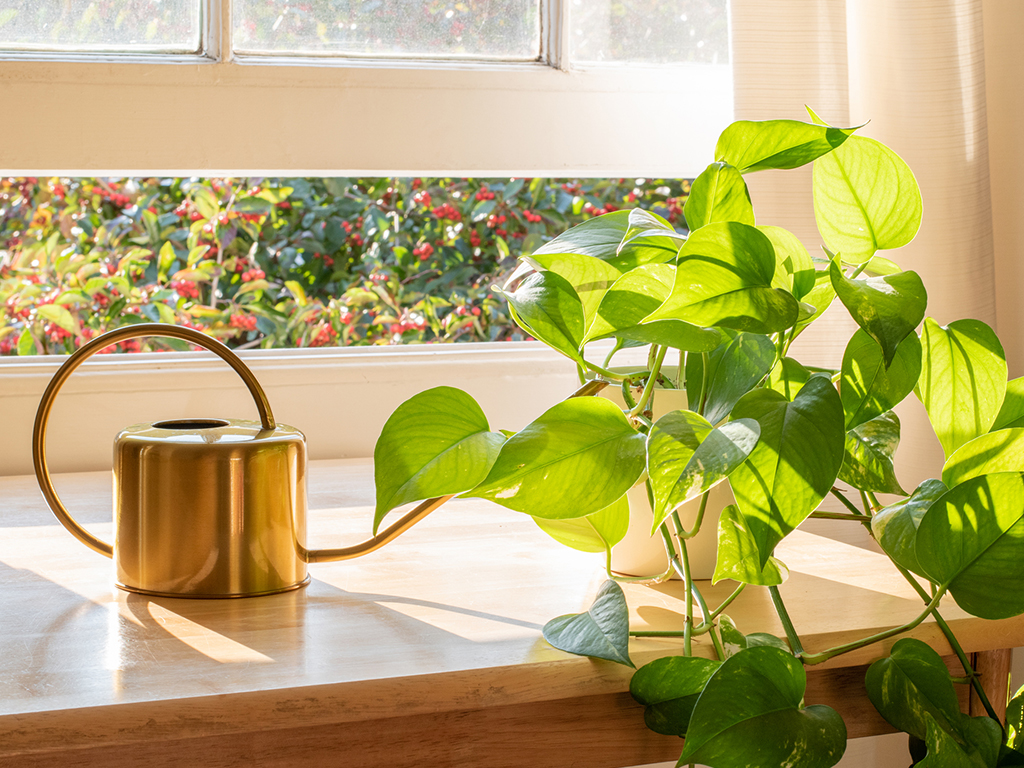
x=724 y=304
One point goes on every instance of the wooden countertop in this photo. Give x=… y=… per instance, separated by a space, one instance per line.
x=445 y=619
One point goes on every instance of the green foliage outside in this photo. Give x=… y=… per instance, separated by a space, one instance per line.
x=282 y=262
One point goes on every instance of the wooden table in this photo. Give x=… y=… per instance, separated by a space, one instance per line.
x=426 y=653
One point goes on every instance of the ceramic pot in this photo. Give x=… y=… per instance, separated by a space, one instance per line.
x=639 y=553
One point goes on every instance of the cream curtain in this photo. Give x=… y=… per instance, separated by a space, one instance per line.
x=916 y=70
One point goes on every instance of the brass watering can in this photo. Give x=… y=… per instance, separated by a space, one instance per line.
x=204 y=507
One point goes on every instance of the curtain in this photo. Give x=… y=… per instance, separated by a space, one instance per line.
x=916 y=70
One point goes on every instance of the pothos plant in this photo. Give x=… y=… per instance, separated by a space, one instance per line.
x=729 y=298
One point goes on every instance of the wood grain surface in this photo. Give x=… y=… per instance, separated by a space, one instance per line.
x=428 y=651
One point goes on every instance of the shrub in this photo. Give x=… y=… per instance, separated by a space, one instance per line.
x=282 y=262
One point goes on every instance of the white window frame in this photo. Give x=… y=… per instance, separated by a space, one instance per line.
x=225 y=116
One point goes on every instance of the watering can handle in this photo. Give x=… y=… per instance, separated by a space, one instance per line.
x=80 y=356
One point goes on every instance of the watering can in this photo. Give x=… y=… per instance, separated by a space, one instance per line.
x=204 y=507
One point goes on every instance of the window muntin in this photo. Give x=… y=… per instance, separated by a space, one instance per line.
x=101 y=26
x=508 y=30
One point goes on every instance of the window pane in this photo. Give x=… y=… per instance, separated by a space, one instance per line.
x=477 y=29
x=649 y=31
x=163 y=26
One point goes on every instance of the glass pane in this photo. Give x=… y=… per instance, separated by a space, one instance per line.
x=649 y=31
x=477 y=29
x=164 y=26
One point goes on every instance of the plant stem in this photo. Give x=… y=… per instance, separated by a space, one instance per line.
x=787 y=623
x=953 y=642
x=860 y=268
x=685 y=534
x=725 y=604
x=719 y=648
x=875 y=504
x=604 y=372
x=837 y=516
x=645 y=396
x=846 y=502
x=817 y=658
x=615 y=348
x=705 y=378
x=688 y=619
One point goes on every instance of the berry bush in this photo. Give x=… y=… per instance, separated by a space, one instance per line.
x=261 y=262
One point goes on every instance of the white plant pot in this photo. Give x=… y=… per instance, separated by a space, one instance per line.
x=639 y=553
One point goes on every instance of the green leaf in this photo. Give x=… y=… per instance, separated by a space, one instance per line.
x=196 y=254
x=482 y=210
x=869 y=389
x=795 y=463
x=734 y=368
x=598 y=532
x=295 y=288
x=978 y=747
x=759 y=145
x=687 y=457
x=735 y=641
x=972 y=540
x=723 y=277
x=602 y=632
x=167 y=257
x=738 y=557
x=206 y=202
x=1011 y=414
x=601 y=237
x=435 y=443
x=551 y=310
x=787 y=377
x=911 y=683
x=668 y=688
x=718 y=194
x=750 y=714
x=1000 y=451
x=963 y=379
x=820 y=297
x=648 y=239
x=590 y=278
x=59 y=315
x=865 y=199
x=794 y=269
x=888 y=308
x=575 y=459
x=673 y=333
x=1015 y=721
x=895 y=526
x=870 y=447
x=27 y=343
x=252 y=205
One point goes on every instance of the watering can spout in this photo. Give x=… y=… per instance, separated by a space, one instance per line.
x=422 y=509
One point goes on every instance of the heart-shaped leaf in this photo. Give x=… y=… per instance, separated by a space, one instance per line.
x=435 y=443
x=1012 y=412
x=735 y=641
x=551 y=311
x=687 y=457
x=758 y=145
x=978 y=747
x=723 y=277
x=634 y=296
x=888 y=308
x=738 y=557
x=597 y=532
x=1015 y=721
x=750 y=714
x=865 y=199
x=912 y=682
x=794 y=270
x=601 y=238
x=590 y=278
x=787 y=377
x=602 y=632
x=718 y=194
x=963 y=379
x=734 y=368
x=668 y=688
x=575 y=459
x=972 y=540
x=795 y=462
x=870 y=448
x=1001 y=451
x=895 y=527
x=869 y=389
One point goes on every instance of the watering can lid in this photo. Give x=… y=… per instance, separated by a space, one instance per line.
x=208 y=431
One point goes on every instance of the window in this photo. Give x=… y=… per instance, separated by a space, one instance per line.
x=227 y=108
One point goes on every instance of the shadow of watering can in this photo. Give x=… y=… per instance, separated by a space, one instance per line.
x=204 y=507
